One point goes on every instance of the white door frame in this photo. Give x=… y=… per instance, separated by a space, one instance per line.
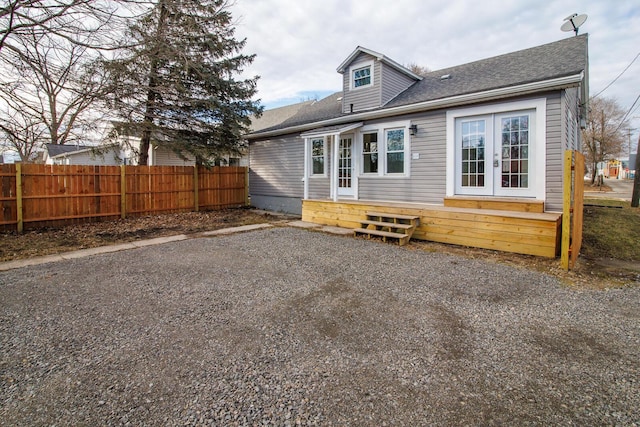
x=537 y=182
x=345 y=192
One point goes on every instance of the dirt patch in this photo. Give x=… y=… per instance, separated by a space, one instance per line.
x=49 y=241
x=589 y=273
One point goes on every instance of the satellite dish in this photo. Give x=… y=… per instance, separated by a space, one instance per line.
x=573 y=22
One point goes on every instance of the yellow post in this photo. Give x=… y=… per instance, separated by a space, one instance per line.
x=566 y=210
x=19 y=190
x=196 y=191
x=123 y=192
x=247 y=202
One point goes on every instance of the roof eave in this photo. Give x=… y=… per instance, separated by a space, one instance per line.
x=453 y=101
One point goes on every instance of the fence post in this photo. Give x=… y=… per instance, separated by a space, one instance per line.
x=566 y=210
x=123 y=192
x=196 y=191
x=247 y=202
x=20 y=218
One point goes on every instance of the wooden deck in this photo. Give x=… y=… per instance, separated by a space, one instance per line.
x=510 y=230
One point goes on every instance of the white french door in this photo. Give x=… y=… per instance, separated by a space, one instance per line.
x=345 y=166
x=494 y=154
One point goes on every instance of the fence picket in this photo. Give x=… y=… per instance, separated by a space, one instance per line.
x=56 y=195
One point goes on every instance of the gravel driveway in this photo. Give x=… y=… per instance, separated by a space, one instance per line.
x=285 y=326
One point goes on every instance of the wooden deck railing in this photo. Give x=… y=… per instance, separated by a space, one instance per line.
x=52 y=195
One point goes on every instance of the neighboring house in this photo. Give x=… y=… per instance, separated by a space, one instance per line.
x=475 y=151
x=63 y=154
x=161 y=155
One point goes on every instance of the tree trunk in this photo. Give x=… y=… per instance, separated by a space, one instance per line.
x=635 y=197
x=145 y=140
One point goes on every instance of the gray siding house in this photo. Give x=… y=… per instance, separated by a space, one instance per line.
x=489 y=135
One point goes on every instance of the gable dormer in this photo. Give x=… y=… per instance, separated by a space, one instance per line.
x=370 y=80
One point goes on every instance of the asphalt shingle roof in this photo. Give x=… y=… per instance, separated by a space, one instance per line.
x=562 y=58
x=57 y=149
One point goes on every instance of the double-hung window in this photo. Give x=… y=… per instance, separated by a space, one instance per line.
x=370 y=152
x=361 y=75
x=384 y=149
x=394 y=139
x=318 y=164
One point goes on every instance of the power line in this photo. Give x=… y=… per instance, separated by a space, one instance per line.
x=627 y=114
x=619 y=75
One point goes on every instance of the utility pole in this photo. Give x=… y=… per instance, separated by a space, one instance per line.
x=635 y=196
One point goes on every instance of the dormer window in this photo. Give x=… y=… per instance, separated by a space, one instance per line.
x=361 y=75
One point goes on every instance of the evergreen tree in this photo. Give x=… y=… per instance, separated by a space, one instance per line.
x=177 y=86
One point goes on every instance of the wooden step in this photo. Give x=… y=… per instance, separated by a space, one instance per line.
x=391 y=216
x=398 y=225
x=388 y=226
x=402 y=238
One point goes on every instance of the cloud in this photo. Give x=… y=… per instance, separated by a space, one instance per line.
x=300 y=44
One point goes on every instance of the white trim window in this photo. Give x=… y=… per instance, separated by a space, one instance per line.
x=361 y=75
x=384 y=150
x=318 y=157
x=370 y=152
x=395 y=150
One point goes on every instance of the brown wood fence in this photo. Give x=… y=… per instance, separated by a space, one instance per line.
x=572 y=212
x=35 y=196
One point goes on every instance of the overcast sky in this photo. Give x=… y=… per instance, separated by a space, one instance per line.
x=299 y=44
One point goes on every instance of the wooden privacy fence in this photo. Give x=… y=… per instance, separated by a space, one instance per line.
x=54 y=195
x=572 y=212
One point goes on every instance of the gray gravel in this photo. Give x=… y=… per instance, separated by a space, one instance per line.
x=293 y=327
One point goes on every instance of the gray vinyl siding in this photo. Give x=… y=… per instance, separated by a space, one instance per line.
x=320 y=186
x=553 y=201
x=276 y=167
x=362 y=98
x=427 y=180
x=393 y=83
x=571 y=111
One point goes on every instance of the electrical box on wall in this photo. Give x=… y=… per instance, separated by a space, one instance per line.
x=415 y=156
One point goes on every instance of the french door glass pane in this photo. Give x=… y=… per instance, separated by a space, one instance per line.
x=473 y=158
x=515 y=151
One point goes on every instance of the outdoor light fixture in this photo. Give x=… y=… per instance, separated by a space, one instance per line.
x=413 y=129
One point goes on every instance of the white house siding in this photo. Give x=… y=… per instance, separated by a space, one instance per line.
x=394 y=83
x=427 y=181
x=276 y=169
x=162 y=156
x=109 y=158
x=361 y=98
x=555 y=150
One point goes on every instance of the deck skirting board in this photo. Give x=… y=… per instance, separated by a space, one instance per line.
x=531 y=233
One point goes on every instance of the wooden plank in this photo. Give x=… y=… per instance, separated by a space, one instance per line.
x=515 y=205
x=19 y=192
x=397 y=225
x=566 y=210
x=392 y=215
x=380 y=233
x=528 y=233
x=578 y=207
